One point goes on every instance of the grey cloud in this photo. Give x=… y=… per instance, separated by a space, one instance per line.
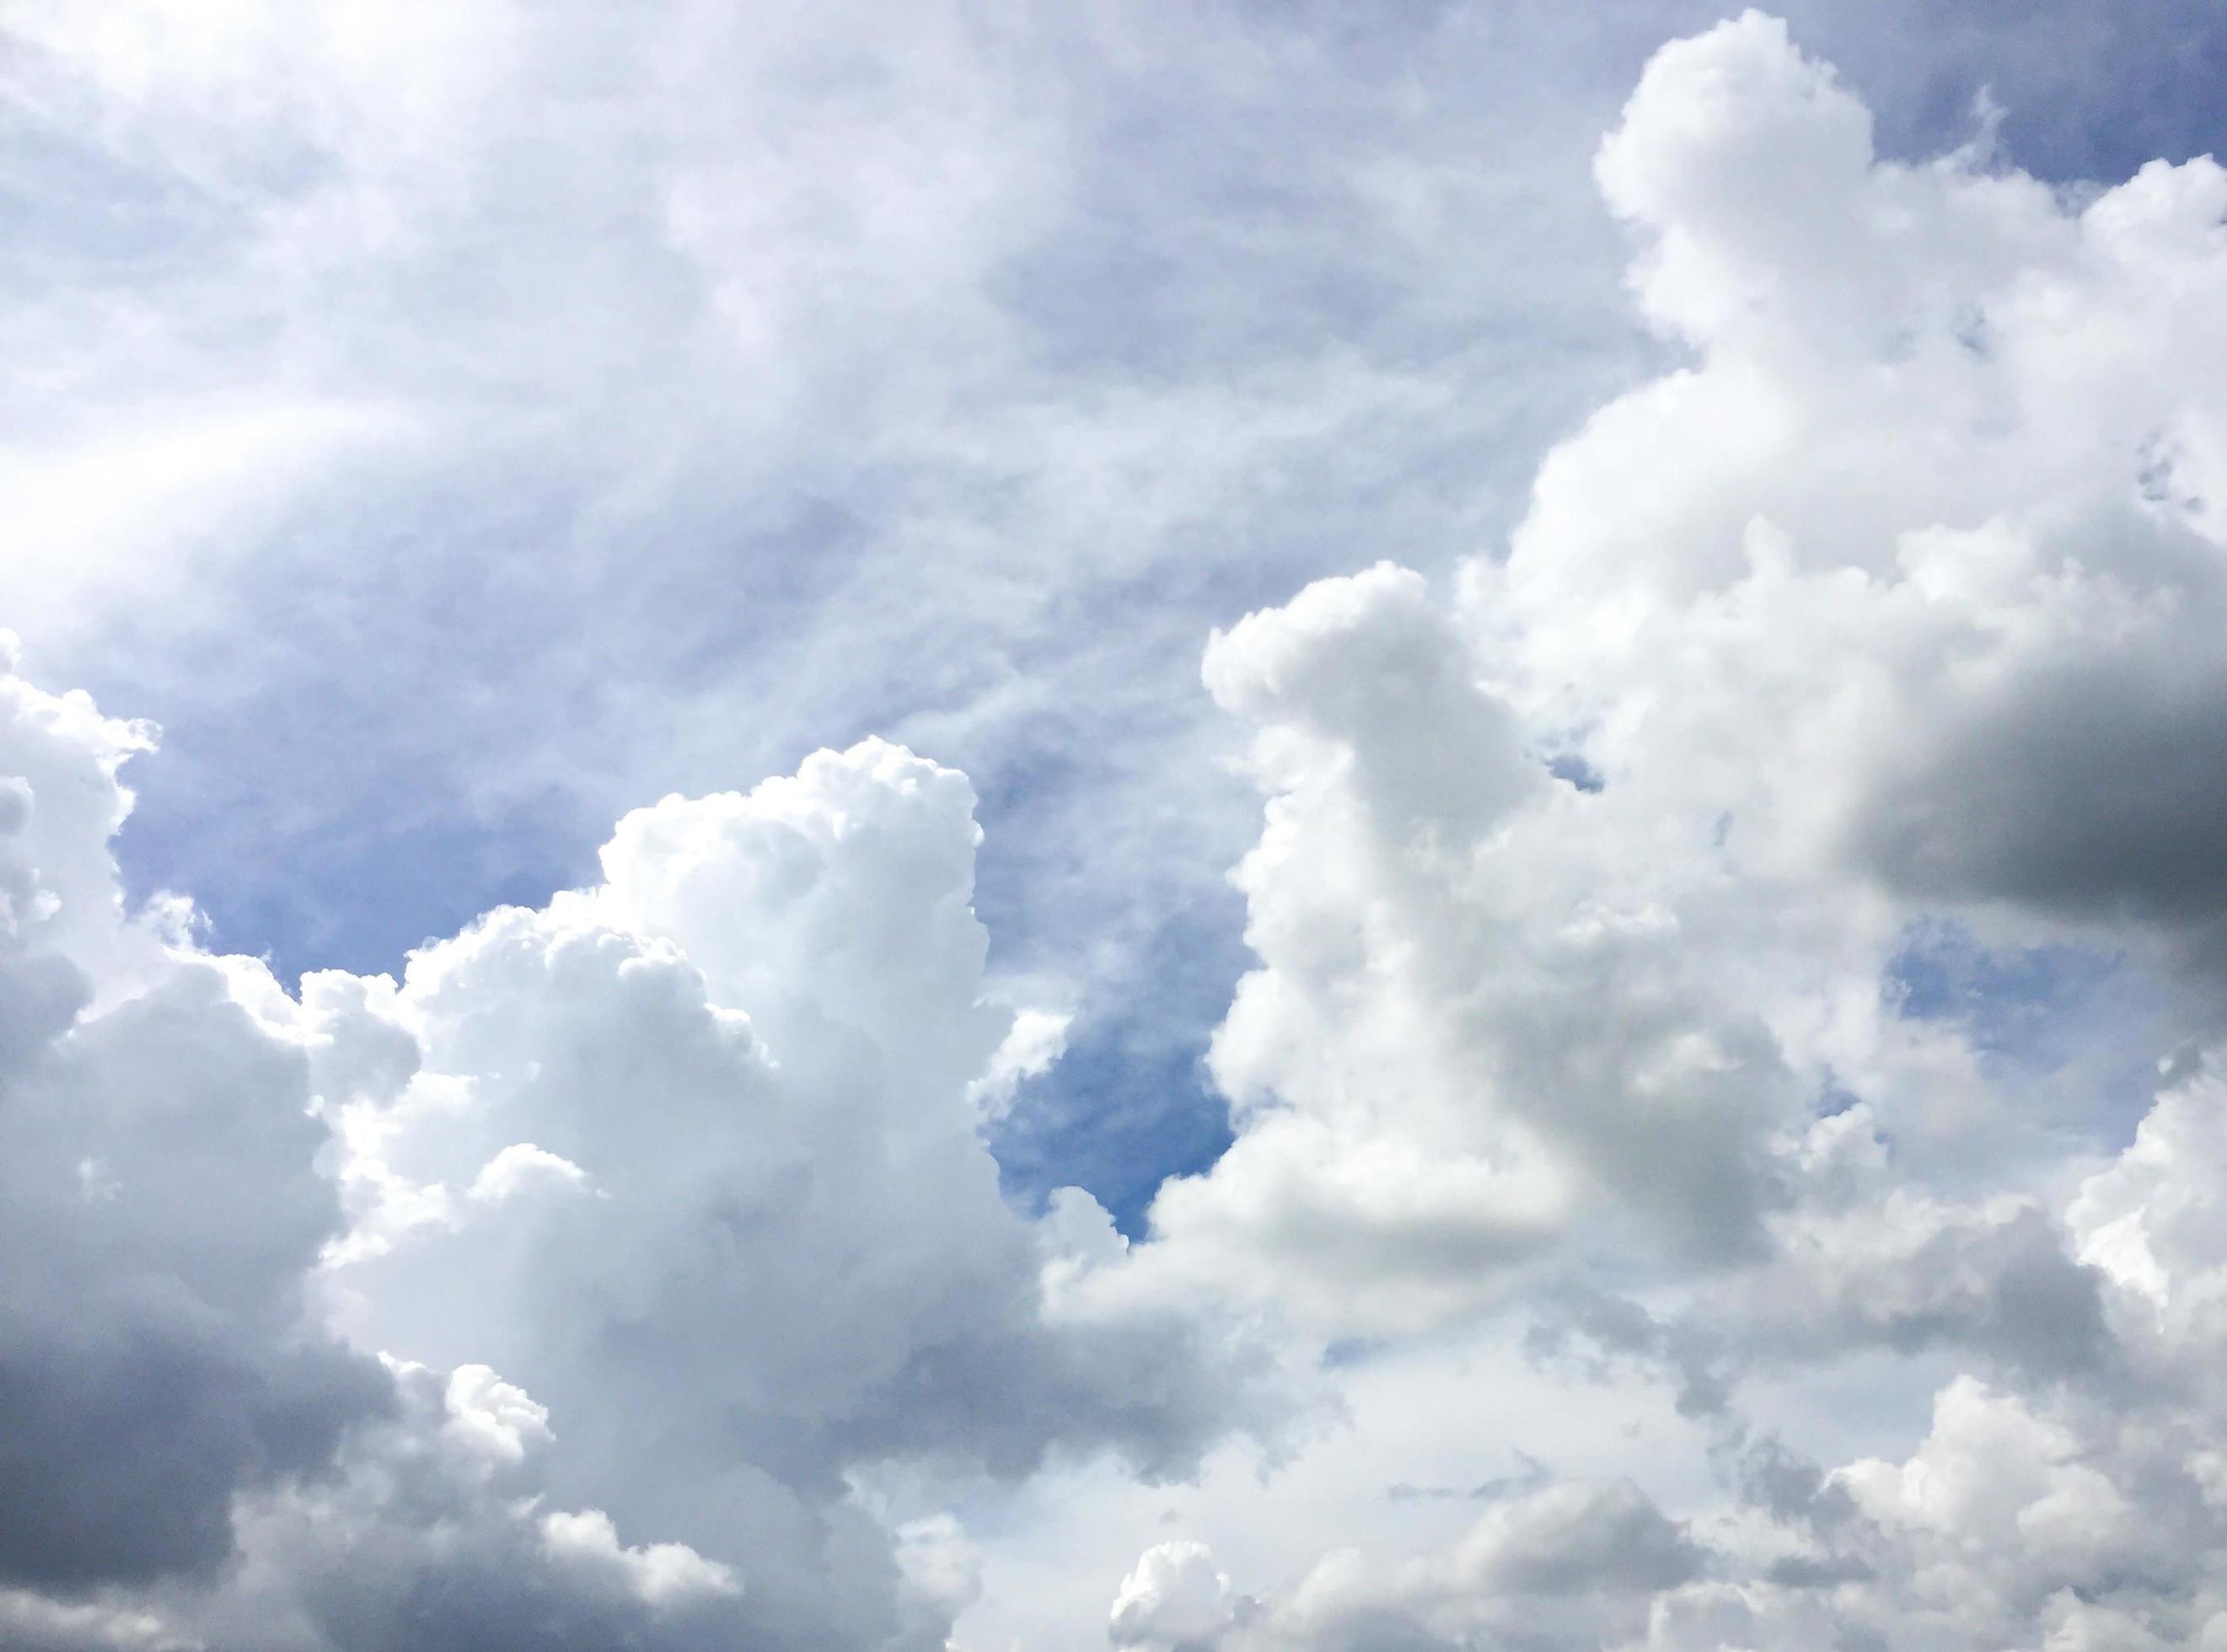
x=159 y=1211
x=1773 y=1476
x=2002 y=1288
x=1573 y=1315
x=2094 y=790
x=1818 y=1572
x=1563 y=1540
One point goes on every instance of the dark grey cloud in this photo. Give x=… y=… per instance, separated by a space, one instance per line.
x=2097 y=790
x=159 y=1211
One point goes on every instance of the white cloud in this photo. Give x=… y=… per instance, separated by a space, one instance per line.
x=756 y=1041
x=520 y=1168
x=665 y=1575
x=498 y=1420
x=1893 y=604
x=1175 y=1598
x=667 y=1212
x=1896 y=605
x=631 y=1270
x=810 y=370
x=1569 y=1565
x=1038 y=1038
x=1476 y=1024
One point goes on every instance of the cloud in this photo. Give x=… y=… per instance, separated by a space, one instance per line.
x=630 y=1269
x=756 y=1042
x=421 y=1538
x=1175 y=1598
x=663 y=1207
x=1463 y=1040
x=1030 y=344
x=1894 y=605
x=1948 y=513
x=1569 y=1565
x=160 y=1203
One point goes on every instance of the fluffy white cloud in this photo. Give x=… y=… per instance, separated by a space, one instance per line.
x=1589 y=901
x=1577 y=897
x=727 y=1215
x=1475 y=1025
x=1175 y=1597
x=663 y=1205
x=1934 y=493
x=632 y=1271
x=1571 y=1565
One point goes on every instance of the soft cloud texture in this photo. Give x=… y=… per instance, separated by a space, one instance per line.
x=389 y=1316
x=1725 y=1097
x=1582 y=891
x=1892 y=573
x=161 y=1205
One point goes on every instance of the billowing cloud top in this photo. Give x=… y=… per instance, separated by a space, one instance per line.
x=1730 y=1041
x=549 y=1296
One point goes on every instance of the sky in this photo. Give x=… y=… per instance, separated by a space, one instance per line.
x=1233 y=828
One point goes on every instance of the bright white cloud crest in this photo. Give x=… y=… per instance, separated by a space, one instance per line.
x=632 y=1272
x=1900 y=603
x=683 y=1263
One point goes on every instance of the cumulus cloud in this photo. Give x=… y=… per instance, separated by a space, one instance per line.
x=1812 y=617
x=1474 y=1030
x=1584 y=887
x=1571 y=1565
x=161 y=1204
x=662 y=1209
x=715 y=1122
x=631 y=1270
x=1175 y=1597
x=431 y=1530
x=1935 y=486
